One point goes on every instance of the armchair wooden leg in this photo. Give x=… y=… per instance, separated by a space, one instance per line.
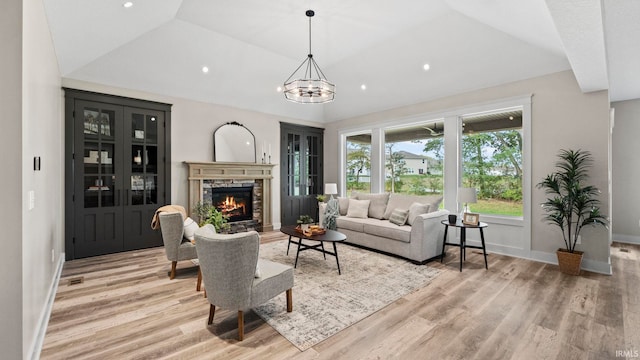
x=290 y=300
x=212 y=312
x=199 y=279
x=205 y=293
x=240 y=325
x=173 y=270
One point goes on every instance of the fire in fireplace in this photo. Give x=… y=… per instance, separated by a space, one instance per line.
x=235 y=202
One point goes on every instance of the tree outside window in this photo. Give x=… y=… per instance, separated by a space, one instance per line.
x=492 y=162
x=359 y=163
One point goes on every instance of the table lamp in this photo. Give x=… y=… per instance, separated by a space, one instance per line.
x=466 y=196
x=331 y=189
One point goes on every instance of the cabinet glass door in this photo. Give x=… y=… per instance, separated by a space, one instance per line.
x=99 y=181
x=145 y=191
x=144 y=158
x=301 y=159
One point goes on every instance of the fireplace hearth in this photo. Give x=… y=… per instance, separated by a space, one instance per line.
x=236 y=202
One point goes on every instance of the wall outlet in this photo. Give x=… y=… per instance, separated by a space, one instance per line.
x=53 y=255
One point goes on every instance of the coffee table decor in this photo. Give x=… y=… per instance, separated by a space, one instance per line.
x=312 y=230
x=325 y=304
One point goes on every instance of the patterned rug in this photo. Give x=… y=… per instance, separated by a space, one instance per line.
x=324 y=302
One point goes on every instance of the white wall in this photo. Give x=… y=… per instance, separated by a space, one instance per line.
x=626 y=171
x=192 y=126
x=562 y=117
x=10 y=182
x=42 y=135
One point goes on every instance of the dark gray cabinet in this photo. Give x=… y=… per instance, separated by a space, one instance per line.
x=301 y=171
x=117 y=156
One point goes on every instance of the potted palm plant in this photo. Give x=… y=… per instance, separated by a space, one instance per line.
x=571 y=205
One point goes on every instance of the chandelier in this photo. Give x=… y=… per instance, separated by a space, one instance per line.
x=313 y=87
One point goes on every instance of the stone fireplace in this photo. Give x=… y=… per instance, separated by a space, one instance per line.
x=241 y=189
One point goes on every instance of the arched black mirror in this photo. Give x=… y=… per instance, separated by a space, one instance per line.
x=233 y=142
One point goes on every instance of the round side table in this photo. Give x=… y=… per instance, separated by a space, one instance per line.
x=463 y=240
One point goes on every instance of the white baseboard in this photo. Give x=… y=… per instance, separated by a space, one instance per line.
x=36 y=345
x=277 y=226
x=627 y=239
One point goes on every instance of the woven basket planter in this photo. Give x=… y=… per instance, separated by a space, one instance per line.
x=569 y=262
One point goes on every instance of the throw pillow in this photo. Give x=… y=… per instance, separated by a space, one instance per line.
x=399 y=217
x=358 y=208
x=417 y=209
x=190 y=228
x=344 y=205
x=378 y=203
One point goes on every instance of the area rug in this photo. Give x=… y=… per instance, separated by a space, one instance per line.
x=324 y=302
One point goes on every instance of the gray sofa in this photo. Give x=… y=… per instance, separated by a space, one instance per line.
x=420 y=240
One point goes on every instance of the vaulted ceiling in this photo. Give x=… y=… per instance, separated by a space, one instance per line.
x=250 y=47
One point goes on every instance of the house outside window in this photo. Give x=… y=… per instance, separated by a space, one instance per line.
x=413 y=161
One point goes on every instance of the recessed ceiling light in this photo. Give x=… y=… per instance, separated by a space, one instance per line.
x=128 y=4
x=205 y=69
x=426 y=67
x=510 y=117
x=279 y=89
x=363 y=87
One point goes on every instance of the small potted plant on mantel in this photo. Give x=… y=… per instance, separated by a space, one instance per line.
x=571 y=204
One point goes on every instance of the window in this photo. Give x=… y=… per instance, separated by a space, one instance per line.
x=414 y=158
x=492 y=161
x=358 y=163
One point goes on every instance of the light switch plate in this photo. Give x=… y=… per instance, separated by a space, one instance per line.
x=32 y=199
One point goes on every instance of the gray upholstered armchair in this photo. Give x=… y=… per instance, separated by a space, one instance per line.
x=172 y=227
x=228 y=263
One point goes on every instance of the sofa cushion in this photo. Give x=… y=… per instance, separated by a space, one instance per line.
x=378 y=203
x=358 y=208
x=344 y=205
x=401 y=201
x=385 y=229
x=399 y=217
x=353 y=224
x=417 y=209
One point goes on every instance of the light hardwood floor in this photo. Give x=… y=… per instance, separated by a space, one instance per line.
x=127 y=308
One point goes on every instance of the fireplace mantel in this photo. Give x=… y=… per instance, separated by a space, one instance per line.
x=203 y=171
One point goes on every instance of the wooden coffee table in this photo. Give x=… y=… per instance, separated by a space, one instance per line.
x=331 y=236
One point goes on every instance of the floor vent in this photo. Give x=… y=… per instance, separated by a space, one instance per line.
x=624 y=250
x=76 y=280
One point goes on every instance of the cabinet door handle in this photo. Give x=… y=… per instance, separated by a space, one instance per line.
x=126 y=197
x=118 y=197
